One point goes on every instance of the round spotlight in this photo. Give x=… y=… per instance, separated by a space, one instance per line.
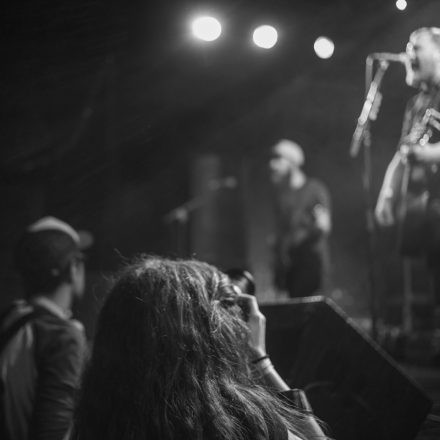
x=265 y=36
x=206 y=28
x=401 y=5
x=324 y=47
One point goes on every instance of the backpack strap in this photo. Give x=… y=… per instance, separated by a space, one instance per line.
x=4 y=313
x=5 y=337
x=12 y=330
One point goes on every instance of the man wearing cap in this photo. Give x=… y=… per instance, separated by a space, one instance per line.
x=41 y=347
x=302 y=222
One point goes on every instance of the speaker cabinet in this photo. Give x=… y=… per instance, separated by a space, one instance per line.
x=351 y=383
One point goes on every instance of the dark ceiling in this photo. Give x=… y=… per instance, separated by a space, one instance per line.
x=70 y=67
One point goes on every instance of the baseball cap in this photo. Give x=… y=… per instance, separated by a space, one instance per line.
x=82 y=239
x=46 y=249
x=289 y=150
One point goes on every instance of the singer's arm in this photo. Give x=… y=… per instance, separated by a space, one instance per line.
x=384 y=211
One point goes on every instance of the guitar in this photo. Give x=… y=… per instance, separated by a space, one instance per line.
x=413 y=195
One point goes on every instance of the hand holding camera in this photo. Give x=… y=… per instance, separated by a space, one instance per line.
x=256 y=322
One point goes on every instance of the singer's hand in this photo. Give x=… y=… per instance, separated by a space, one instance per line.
x=417 y=153
x=425 y=153
x=384 y=211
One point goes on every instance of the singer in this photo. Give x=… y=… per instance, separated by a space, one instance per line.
x=302 y=223
x=417 y=158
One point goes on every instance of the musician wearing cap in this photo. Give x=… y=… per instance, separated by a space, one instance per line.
x=410 y=193
x=302 y=223
x=41 y=347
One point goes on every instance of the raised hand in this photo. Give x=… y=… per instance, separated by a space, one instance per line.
x=256 y=323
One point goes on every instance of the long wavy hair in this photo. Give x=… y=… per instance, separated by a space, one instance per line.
x=171 y=361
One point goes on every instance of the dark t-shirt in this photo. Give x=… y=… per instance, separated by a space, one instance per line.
x=300 y=263
x=295 y=218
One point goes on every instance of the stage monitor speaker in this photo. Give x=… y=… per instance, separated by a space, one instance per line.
x=351 y=383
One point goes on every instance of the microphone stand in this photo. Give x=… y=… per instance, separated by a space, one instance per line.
x=362 y=138
x=181 y=213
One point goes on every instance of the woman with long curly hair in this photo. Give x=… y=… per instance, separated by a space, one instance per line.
x=173 y=359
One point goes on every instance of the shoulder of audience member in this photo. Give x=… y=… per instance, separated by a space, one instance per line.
x=53 y=330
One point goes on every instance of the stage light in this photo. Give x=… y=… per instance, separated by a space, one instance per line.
x=265 y=36
x=324 y=47
x=206 y=28
x=401 y=5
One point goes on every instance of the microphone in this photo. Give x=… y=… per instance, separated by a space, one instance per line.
x=181 y=213
x=391 y=57
x=229 y=182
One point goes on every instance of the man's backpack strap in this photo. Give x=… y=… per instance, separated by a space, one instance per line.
x=5 y=337
x=12 y=330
